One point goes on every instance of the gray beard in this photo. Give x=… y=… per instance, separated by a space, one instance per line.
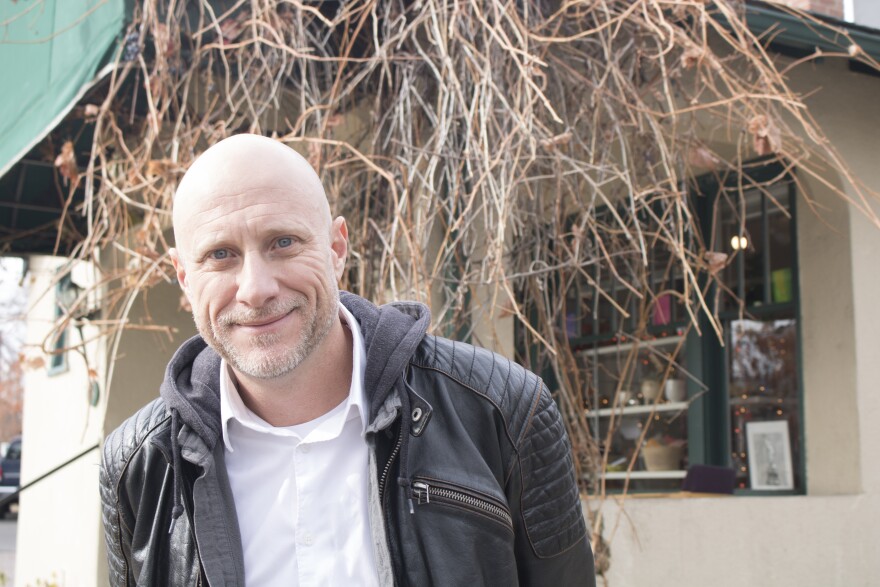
x=260 y=361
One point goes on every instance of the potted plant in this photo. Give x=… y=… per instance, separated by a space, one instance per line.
x=663 y=453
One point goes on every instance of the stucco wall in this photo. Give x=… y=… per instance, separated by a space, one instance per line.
x=58 y=530
x=828 y=537
x=756 y=542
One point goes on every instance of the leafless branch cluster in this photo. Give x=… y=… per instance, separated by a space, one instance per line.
x=490 y=156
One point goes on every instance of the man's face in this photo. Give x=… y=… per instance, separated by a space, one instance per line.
x=259 y=261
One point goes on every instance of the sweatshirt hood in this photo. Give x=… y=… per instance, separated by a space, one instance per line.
x=192 y=388
x=391 y=335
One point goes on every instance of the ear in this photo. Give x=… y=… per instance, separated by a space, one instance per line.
x=180 y=270
x=339 y=245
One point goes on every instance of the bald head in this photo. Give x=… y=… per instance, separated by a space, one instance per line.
x=241 y=165
x=259 y=259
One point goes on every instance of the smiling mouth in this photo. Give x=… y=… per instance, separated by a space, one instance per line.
x=265 y=322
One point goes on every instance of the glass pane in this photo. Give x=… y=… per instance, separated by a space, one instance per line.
x=764 y=404
x=742 y=237
x=781 y=250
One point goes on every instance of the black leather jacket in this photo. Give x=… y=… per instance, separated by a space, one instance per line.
x=473 y=482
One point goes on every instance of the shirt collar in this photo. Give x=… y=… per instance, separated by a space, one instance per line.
x=232 y=407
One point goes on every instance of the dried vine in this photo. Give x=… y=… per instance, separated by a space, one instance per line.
x=490 y=156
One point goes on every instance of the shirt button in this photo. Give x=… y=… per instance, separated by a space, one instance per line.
x=304 y=448
x=307 y=540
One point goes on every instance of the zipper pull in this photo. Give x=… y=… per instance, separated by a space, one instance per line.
x=420 y=487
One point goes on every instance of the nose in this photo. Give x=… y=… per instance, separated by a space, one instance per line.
x=257 y=284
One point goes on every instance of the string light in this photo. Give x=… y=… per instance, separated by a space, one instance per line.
x=739 y=243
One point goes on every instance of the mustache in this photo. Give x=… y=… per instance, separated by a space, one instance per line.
x=274 y=309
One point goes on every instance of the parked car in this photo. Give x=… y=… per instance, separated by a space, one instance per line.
x=10 y=467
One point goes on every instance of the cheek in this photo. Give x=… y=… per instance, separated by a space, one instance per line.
x=211 y=294
x=312 y=274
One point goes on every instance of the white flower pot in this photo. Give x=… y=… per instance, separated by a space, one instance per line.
x=676 y=390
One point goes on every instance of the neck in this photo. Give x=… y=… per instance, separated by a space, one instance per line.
x=317 y=385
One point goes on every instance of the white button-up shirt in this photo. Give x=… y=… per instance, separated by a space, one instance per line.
x=301 y=492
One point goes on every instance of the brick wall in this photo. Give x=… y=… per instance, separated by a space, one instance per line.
x=828 y=7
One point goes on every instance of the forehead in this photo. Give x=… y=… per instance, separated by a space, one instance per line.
x=250 y=203
x=248 y=174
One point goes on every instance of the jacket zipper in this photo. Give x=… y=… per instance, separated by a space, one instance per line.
x=424 y=492
x=383 y=502
x=383 y=479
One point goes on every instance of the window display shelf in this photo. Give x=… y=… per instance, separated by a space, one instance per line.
x=634 y=475
x=639 y=409
x=625 y=346
x=631 y=407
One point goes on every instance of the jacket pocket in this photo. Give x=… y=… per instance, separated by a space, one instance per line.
x=428 y=492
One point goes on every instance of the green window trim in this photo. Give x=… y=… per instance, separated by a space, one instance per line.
x=58 y=360
x=712 y=420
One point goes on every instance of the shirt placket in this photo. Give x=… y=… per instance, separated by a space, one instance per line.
x=306 y=526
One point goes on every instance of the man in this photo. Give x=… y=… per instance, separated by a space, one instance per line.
x=308 y=437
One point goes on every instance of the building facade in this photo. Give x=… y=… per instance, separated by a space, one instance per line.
x=807 y=521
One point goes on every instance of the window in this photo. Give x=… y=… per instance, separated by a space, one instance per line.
x=676 y=399
x=58 y=359
x=759 y=297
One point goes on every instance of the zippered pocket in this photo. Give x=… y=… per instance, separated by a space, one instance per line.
x=431 y=491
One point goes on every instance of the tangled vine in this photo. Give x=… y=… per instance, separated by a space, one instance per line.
x=489 y=155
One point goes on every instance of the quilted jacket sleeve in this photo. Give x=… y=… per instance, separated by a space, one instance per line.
x=552 y=544
x=118 y=548
x=121 y=447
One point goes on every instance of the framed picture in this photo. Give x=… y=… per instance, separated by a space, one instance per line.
x=769 y=455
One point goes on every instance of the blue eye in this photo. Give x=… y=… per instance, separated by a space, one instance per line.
x=285 y=242
x=219 y=254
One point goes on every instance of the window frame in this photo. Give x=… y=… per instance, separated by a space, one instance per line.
x=709 y=414
x=58 y=360
x=714 y=427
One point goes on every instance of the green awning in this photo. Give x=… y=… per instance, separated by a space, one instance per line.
x=51 y=53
